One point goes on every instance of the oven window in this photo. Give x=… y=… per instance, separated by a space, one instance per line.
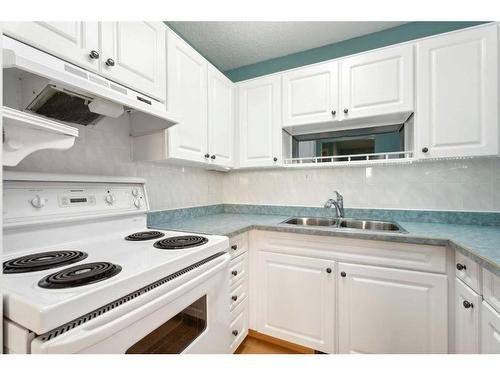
x=176 y=334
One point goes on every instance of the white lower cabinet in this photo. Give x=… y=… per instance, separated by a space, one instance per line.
x=296 y=300
x=467 y=307
x=490 y=330
x=383 y=310
x=239 y=325
x=315 y=292
x=238 y=297
x=491 y=289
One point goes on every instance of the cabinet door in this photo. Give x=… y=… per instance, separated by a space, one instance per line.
x=296 y=300
x=383 y=310
x=490 y=330
x=220 y=118
x=260 y=122
x=133 y=54
x=71 y=41
x=310 y=95
x=491 y=289
x=377 y=83
x=187 y=97
x=457 y=96
x=467 y=306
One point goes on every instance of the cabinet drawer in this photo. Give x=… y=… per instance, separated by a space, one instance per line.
x=491 y=289
x=467 y=306
x=239 y=268
x=468 y=271
x=238 y=244
x=239 y=325
x=238 y=293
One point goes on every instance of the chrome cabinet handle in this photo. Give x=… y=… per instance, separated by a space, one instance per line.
x=275 y=158
x=343 y=274
x=346 y=110
x=235 y=332
x=334 y=112
x=234 y=298
x=425 y=150
x=328 y=270
x=94 y=54
x=212 y=157
x=234 y=247
x=110 y=62
x=207 y=156
x=234 y=273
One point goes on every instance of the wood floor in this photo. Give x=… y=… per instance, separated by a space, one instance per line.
x=257 y=343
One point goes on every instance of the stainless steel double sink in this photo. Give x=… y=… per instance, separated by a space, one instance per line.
x=348 y=224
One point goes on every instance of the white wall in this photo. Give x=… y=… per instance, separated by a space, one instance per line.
x=472 y=184
x=105 y=150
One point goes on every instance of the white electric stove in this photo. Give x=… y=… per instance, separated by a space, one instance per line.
x=82 y=273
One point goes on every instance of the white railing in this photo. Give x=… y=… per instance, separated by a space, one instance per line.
x=373 y=158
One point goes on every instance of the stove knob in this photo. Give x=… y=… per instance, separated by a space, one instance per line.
x=138 y=203
x=110 y=199
x=135 y=192
x=38 y=202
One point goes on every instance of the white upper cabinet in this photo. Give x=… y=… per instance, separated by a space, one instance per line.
x=203 y=98
x=467 y=307
x=71 y=41
x=187 y=93
x=457 y=96
x=220 y=118
x=296 y=299
x=383 y=310
x=133 y=54
x=377 y=83
x=260 y=122
x=310 y=95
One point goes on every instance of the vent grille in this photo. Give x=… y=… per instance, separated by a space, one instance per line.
x=116 y=303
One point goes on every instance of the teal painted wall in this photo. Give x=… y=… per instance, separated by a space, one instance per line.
x=398 y=34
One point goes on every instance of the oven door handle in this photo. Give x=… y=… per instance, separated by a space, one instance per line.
x=104 y=326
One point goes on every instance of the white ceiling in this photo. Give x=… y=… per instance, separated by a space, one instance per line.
x=230 y=45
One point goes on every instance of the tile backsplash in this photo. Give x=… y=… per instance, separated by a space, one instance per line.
x=467 y=184
x=106 y=150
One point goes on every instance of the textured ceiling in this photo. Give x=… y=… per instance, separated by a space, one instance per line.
x=230 y=45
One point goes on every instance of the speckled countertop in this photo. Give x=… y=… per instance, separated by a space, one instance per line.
x=478 y=242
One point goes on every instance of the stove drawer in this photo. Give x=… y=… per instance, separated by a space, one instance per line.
x=239 y=268
x=238 y=245
x=239 y=325
x=238 y=293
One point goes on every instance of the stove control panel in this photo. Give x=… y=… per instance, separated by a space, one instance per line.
x=33 y=201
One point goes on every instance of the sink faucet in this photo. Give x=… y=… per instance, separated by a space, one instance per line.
x=338 y=203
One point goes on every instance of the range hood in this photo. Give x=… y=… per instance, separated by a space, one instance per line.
x=64 y=92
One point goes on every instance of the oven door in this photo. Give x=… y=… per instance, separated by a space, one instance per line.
x=191 y=315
